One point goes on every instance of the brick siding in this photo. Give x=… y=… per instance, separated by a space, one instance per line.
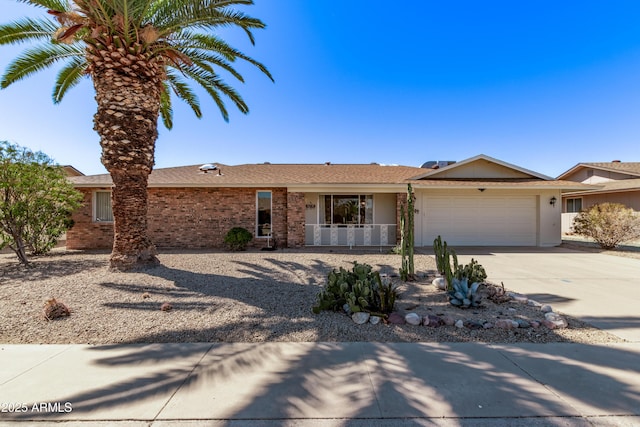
x=194 y=218
x=296 y=212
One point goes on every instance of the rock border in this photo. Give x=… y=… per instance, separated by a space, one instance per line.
x=552 y=320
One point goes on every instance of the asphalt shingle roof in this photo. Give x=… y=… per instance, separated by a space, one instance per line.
x=631 y=167
x=291 y=175
x=614 y=186
x=269 y=175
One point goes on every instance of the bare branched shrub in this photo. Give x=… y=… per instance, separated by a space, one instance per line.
x=609 y=224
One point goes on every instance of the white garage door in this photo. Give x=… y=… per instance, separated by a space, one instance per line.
x=480 y=220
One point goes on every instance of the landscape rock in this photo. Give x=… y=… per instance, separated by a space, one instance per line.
x=413 y=319
x=440 y=283
x=522 y=299
x=360 y=317
x=374 y=320
x=535 y=324
x=534 y=303
x=448 y=320
x=471 y=324
x=347 y=309
x=546 y=308
x=522 y=323
x=554 y=321
x=434 y=321
x=488 y=325
x=396 y=319
x=459 y=324
x=506 y=324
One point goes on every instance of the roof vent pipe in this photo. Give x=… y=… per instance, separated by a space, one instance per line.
x=208 y=167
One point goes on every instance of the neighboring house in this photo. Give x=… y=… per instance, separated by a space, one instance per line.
x=479 y=201
x=614 y=182
x=71 y=171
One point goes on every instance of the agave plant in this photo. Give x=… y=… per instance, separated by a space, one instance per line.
x=463 y=295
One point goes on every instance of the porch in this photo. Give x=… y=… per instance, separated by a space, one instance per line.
x=350 y=235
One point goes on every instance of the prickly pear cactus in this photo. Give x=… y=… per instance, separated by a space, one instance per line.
x=361 y=288
x=474 y=272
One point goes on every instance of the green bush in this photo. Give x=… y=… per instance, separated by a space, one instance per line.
x=36 y=201
x=361 y=288
x=237 y=239
x=609 y=224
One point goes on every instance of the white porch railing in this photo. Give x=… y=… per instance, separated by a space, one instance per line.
x=350 y=235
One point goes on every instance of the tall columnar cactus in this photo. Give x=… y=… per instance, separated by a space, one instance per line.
x=404 y=268
x=440 y=251
x=444 y=256
x=407 y=239
x=410 y=231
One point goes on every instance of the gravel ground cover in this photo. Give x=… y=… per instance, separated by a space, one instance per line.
x=234 y=297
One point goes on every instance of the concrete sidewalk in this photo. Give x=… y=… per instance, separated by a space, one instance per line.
x=321 y=384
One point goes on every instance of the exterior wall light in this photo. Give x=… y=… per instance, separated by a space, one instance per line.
x=553 y=200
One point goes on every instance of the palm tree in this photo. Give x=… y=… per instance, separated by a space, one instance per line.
x=136 y=52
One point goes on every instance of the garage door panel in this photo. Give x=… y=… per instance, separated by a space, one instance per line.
x=481 y=220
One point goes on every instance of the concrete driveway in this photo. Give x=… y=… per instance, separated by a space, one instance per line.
x=603 y=290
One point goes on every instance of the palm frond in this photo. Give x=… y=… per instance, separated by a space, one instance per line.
x=26 y=30
x=208 y=61
x=216 y=44
x=100 y=12
x=60 y=5
x=166 y=111
x=38 y=59
x=187 y=39
x=184 y=92
x=214 y=85
x=68 y=77
x=170 y=17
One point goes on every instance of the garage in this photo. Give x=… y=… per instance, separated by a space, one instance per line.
x=480 y=220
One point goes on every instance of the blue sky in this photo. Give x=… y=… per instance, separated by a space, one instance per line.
x=541 y=84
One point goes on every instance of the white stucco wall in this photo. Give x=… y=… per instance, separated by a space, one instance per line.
x=550 y=218
x=547 y=220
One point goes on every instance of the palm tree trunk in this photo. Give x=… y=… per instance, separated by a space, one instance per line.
x=132 y=248
x=126 y=120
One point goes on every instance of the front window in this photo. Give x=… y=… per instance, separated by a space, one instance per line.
x=264 y=214
x=574 y=205
x=352 y=209
x=102 y=207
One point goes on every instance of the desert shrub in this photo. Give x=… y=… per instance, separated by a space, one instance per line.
x=237 y=239
x=609 y=224
x=361 y=288
x=36 y=201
